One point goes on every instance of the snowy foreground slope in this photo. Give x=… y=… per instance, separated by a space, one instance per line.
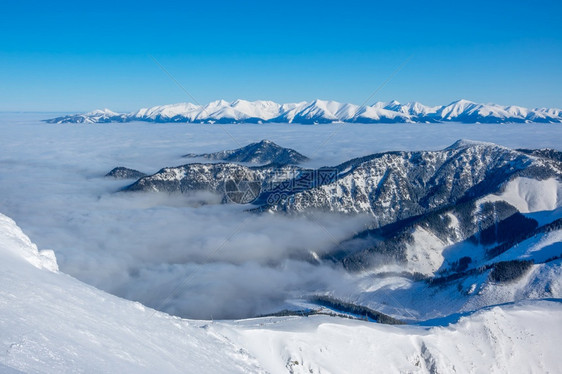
x=322 y=111
x=50 y=322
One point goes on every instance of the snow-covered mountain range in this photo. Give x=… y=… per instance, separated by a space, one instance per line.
x=450 y=218
x=390 y=186
x=322 y=111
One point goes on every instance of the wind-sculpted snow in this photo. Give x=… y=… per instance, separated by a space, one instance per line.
x=14 y=243
x=322 y=111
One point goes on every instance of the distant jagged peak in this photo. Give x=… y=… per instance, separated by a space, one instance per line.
x=258 y=103
x=462 y=102
x=98 y=112
x=262 y=152
x=393 y=105
x=218 y=103
x=456 y=108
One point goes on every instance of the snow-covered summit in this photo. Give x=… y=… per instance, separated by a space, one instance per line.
x=102 y=112
x=468 y=143
x=261 y=152
x=322 y=111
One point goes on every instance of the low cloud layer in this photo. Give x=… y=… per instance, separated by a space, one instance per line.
x=226 y=262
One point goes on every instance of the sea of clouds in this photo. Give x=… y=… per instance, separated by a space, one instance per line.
x=188 y=255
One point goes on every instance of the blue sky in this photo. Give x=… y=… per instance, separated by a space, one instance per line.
x=76 y=56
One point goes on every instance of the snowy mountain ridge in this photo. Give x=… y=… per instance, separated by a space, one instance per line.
x=389 y=186
x=321 y=111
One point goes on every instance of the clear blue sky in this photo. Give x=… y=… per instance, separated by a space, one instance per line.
x=76 y=56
